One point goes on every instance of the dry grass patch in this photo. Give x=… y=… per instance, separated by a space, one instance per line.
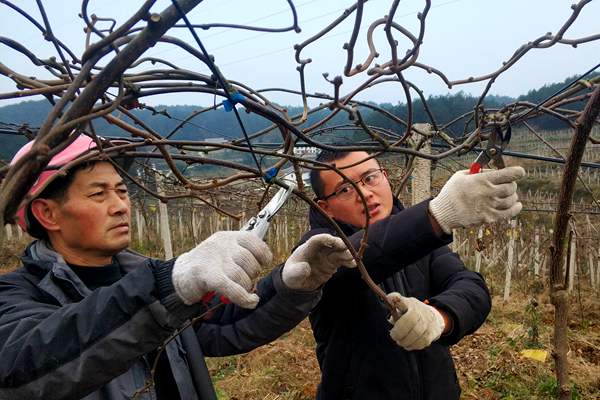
x=489 y=363
x=285 y=369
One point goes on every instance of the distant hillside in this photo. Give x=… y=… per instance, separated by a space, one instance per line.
x=27 y=112
x=538 y=95
x=220 y=124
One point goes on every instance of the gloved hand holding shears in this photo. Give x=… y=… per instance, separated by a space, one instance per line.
x=470 y=197
x=476 y=196
x=227 y=263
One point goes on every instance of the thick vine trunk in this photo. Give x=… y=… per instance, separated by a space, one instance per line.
x=558 y=288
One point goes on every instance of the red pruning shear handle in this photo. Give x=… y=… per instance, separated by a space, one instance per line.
x=496 y=144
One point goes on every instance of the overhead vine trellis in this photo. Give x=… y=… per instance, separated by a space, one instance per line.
x=112 y=76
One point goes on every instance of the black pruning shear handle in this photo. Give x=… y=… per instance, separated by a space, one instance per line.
x=496 y=144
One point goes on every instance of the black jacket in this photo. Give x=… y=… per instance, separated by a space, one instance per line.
x=358 y=358
x=60 y=340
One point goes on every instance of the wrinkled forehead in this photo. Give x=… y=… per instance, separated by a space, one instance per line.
x=346 y=164
x=98 y=174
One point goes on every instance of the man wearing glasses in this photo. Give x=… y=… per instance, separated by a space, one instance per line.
x=360 y=353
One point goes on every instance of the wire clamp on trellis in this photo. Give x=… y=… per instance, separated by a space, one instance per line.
x=235 y=98
x=271 y=174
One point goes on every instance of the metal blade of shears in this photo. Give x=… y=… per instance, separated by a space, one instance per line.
x=259 y=224
x=497 y=142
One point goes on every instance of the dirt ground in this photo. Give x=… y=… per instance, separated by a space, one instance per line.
x=489 y=362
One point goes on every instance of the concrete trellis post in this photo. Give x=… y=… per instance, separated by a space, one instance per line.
x=286 y=232
x=9 y=232
x=139 y=224
x=195 y=225
x=165 y=228
x=158 y=223
x=591 y=262
x=536 y=253
x=478 y=251
x=592 y=269
x=181 y=225
x=208 y=222
x=544 y=258
x=242 y=220
x=421 y=183
x=511 y=259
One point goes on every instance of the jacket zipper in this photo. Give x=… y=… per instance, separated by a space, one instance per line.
x=403 y=285
x=151 y=392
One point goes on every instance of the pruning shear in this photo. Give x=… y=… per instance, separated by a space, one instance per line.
x=496 y=144
x=259 y=224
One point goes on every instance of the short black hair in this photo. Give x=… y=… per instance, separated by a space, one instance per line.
x=56 y=190
x=329 y=157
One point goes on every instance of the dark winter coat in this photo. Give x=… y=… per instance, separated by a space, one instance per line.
x=357 y=356
x=60 y=340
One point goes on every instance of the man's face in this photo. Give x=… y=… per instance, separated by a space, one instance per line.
x=350 y=209
x=93 y=220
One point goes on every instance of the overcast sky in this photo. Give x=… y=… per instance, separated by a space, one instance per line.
x=463 y=38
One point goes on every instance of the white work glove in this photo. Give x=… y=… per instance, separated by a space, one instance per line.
x=226 y=263
x=419 y=326
x=474 y=199
x=313 y=263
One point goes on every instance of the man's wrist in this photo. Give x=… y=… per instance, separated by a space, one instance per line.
x=435 y=225
x=448 y=323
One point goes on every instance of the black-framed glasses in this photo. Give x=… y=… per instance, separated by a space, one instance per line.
x=346 y=191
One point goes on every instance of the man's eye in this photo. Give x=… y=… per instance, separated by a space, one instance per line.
x=345 y=189
x=122 y=191
x=369 y=179
x=97 y=194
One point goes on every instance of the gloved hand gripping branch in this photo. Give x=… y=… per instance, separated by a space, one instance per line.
x=315 y=261
x=420 y=324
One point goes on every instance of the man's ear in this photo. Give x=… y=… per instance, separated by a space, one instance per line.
x=46 y=212
x=325 y=206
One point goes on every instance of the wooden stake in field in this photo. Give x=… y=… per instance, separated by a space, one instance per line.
x=598 y=269
x=536 y=253
x=510 y=263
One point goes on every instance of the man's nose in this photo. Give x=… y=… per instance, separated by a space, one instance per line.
x=366 y=191
x=118 y=204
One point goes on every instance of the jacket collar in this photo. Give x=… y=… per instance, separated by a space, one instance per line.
x=58 y=279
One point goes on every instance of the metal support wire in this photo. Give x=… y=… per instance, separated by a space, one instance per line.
x=217 y=73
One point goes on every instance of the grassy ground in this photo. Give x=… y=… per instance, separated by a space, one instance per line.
x=489 y=363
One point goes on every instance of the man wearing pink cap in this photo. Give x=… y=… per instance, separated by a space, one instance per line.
x=84 y=317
